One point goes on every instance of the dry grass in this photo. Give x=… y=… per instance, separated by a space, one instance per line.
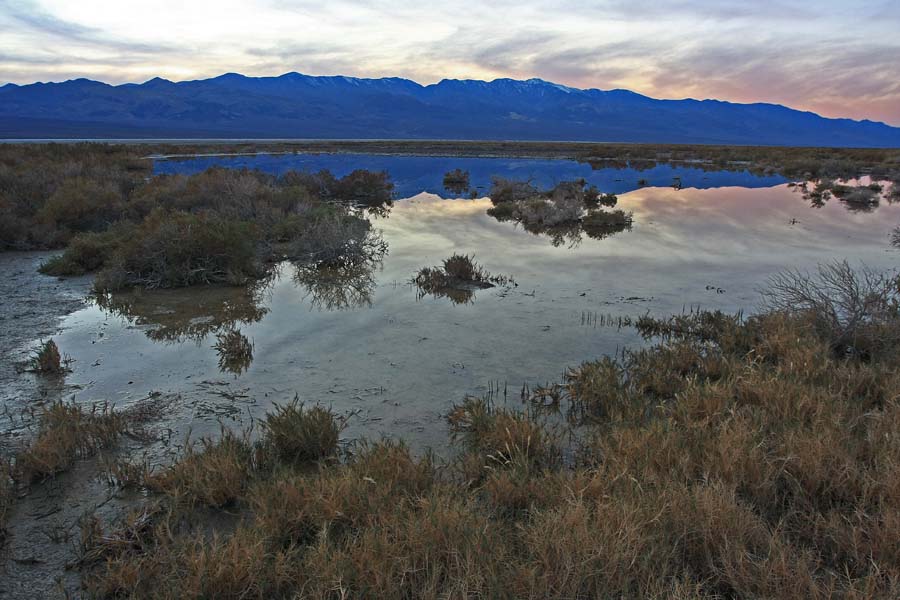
x=48 y=361
x=67 y=432
x=735 y=458
x=295 y=434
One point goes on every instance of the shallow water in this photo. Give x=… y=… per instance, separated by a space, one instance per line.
x=416 y=174
x=397 y=361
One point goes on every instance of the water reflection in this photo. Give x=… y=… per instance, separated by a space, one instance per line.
x=563 y=213
x=415 y=174
x=856 y=195
x=337 y=287
x=235 y=351
x=176 y=316
x=370 y=346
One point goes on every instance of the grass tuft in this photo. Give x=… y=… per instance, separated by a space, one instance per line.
x=294 y=434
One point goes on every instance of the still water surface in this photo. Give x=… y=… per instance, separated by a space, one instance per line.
x=398 y=361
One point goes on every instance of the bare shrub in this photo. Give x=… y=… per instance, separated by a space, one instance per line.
x=857 y=310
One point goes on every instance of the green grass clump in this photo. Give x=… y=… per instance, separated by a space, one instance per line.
x=295 y=434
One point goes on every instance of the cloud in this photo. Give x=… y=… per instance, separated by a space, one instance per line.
x=830 y=56
x=29 y=15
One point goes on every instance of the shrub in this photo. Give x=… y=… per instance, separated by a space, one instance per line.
x=335 y=239
x=176 y=249
x=85 y=253
x=81 y=204
x=855 y=310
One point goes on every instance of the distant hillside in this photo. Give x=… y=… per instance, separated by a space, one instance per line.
x=302 y=106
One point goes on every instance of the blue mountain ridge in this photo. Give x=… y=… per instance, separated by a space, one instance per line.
x=294 y=105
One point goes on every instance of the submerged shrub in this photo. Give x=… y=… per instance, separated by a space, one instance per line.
x=457 y=279
x=456 y=181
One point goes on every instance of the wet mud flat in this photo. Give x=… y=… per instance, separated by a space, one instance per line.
x=32 y=308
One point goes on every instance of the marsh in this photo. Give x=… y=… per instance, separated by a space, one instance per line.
x=329 y=314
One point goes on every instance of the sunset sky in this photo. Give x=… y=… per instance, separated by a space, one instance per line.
x=835 y=58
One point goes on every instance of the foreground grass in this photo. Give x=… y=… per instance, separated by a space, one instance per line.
x=734 y=458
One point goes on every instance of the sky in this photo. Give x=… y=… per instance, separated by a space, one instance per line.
x=837 y=58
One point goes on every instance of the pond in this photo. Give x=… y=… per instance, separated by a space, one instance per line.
x=415 y=174
x=370 y=346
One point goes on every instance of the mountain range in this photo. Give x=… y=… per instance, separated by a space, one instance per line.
x=303 y=106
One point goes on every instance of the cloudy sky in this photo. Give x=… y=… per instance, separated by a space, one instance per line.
x=838 y=58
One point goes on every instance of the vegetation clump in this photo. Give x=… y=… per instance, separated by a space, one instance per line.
x=564 y=212
x=456 y=181
x=295 y=434
x=221 y=226
x=47 y=360
x=457 y=278
x=66 y=432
